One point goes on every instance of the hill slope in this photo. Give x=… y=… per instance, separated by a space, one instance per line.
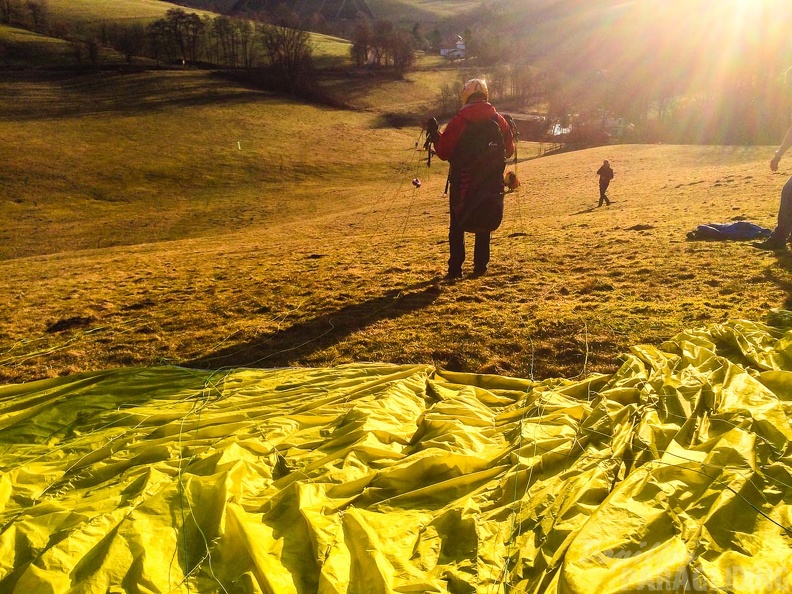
x=209 y=224
x=96 y=11
x=424 y=11
x=20 y=49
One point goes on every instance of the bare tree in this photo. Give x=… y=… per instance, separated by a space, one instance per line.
x=383 y=33
x=522 y=81
x=223 y=34
x=289 y=55
x=449 y=99
x=177 y=36
x=496 y=80
x=130 y=40
x=402 y=51
x=234 y=39
x=362 y=41
x=246 y=38
x=9 y=11
x=284 y=16
x=176 y=20
x=94 y=47
x=184 y=32
x=157 y=38
x=39 y=13
x=76 y=46
x=193 y=30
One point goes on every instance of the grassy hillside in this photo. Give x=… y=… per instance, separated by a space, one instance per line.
x=20 y=48
x=413 y=98
x=175 y=217
x=211 y=153
x=428 y=12
x=93 y=11
x=24 y=49
x=424 y=11
x=329 y=47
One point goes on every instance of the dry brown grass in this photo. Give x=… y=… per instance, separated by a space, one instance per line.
x=141 y=234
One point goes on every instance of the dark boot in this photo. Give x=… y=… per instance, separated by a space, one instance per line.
x=771 y=243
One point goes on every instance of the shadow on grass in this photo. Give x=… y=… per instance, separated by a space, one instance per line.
x=78 y=93
x=291 y=345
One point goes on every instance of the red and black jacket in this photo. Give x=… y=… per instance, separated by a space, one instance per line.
x=472 y=112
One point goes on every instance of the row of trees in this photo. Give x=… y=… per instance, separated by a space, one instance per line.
x=283 y=53
x=272 y=43
x=32 y=13
x=182 y=37
x=189 y=39
x=671 y=85
x=381 y=44
x=284 y=48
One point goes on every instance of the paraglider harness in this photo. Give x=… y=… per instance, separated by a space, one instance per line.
x=510 y=180
x=476 y=176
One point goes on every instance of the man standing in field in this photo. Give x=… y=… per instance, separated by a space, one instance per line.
x=778 y=238
x=780 y=235
x=605 y=176
x=477 y=141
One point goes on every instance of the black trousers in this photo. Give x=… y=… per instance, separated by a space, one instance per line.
x=604 y=188
x=456 y=243
x=784 y=227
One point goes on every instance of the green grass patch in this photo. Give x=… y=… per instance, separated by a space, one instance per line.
x=93 y=11
x=189 y=140
x=421 y=11
x=20 y=48
x=330 y=51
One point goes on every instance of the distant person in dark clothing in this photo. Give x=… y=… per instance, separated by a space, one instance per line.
x=778 y=239
x=605 y=176
x=475 y=112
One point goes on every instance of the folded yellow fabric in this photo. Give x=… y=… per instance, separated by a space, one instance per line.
x=672 y=474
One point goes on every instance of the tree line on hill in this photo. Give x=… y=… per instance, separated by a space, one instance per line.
x=275 y=45
x=28 y=13
x=665 y=77
x=331 y=10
